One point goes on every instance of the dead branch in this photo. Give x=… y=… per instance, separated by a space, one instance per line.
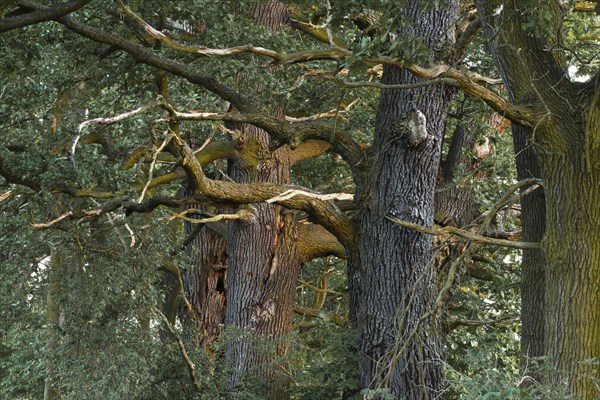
x=288 y=194
x=450 y=230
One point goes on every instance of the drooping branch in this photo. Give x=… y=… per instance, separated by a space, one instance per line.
x=188 y=361
x=40 y=15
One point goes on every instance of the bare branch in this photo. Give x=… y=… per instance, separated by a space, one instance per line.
x=153 y=163
x=6 y=195
x=288 y=194
x=54 y=221
x=118 y=118
x=357 y=84
x=241 y=214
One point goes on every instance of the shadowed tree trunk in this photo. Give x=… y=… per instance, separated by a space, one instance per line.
x=396 y=349
x=454 y=202
x=533 y=264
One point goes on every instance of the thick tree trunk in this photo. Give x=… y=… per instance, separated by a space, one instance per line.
x=454 y=204
x=399 y=348
x=572 y=248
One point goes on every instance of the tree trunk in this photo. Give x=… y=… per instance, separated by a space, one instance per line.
x=400 y=348
x=572 y=248
x=533 y=263
x=262 y=273
x=454 y=203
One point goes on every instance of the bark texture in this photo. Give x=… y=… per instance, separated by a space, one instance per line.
x=533 y=263
x=398 y=349
x=263 y=270
x=566 y=140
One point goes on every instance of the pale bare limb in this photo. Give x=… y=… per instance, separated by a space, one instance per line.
x=6 y=195
x=288 y=194
x=54 y=221
x=120 y=117
x=111 y=120
x=241 y=214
